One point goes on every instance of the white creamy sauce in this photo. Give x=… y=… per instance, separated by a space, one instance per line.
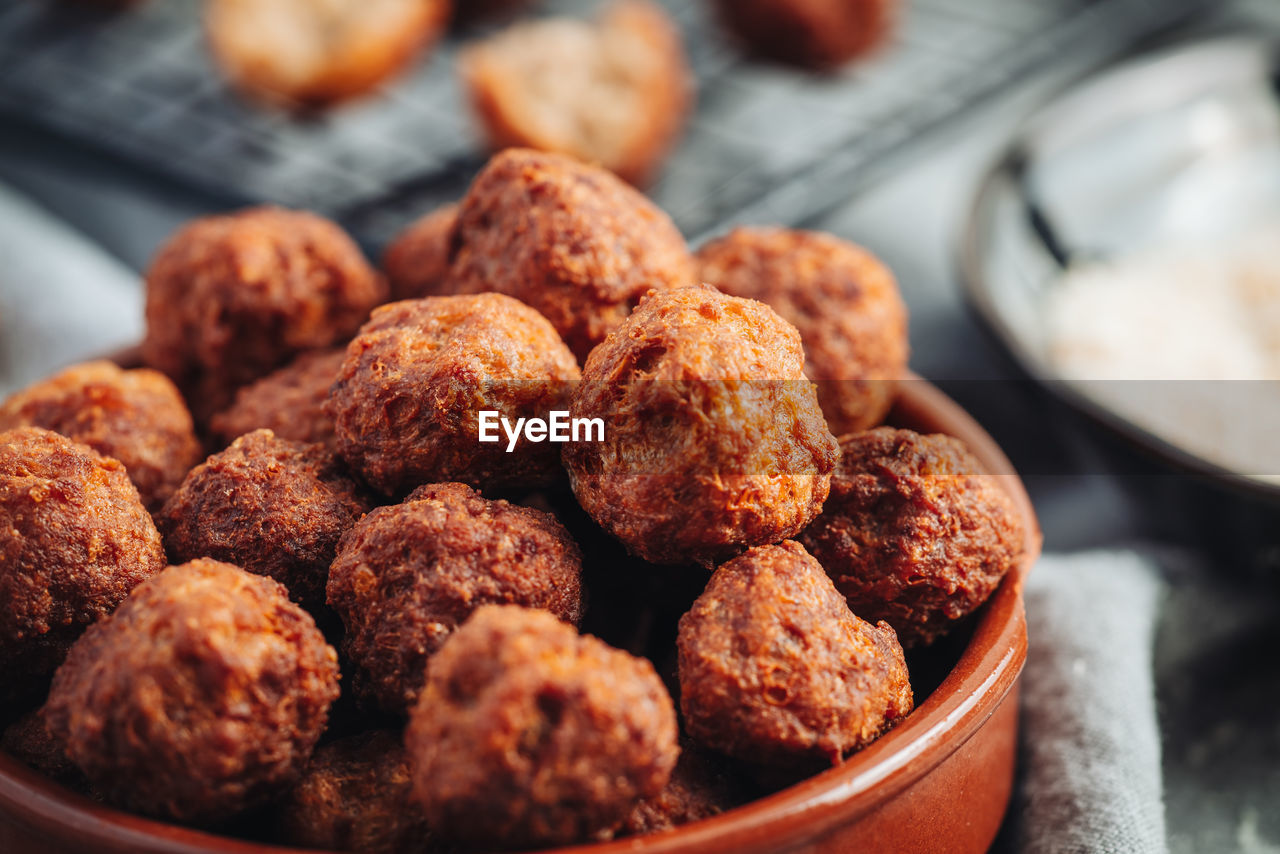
x=1183 y=340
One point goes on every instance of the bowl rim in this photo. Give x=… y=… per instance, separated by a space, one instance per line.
x=982 y=678
x=1080 y=107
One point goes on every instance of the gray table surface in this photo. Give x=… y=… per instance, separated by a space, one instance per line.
x=1218 y=676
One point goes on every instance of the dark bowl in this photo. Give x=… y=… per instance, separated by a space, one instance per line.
x=939 y=782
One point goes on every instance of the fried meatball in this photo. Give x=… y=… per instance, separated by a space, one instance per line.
x=701 y=786
x=270 y=506
x=417 y=261
x=200 y=697
x=355 y=796
x=28 y=740
x=843 y=301
x=312 y=53
x=530 y=734
x=776 y=670
x=714 y=441
x=407 y=576
x=406 y=405
x=569 y=239
x=615 y=91
x=137 y=417
x=231 y=298
x=288 y=402
x=74 y=540
x=914 y=533
x=819 y=34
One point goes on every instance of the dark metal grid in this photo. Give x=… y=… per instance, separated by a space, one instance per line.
x=766 y=143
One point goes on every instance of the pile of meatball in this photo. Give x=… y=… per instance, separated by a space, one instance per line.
x=271 y=584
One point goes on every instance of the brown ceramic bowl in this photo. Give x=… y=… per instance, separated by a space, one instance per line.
x=939 y=782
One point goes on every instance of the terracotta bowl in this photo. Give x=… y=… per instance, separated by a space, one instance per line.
x=939 y=782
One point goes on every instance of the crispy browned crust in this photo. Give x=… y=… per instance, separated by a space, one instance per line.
x=775 y=669
x=357 y=54
x=842 y=299
x=288 y=402
x=137 y=417
x=417 y=261
x=74 y=540
x=270 y=506
x=661 y=79
x=200 y=697
x=408 y=575
x=570 y=240
x=701 y=786
x=355 y=796
x=818 y=34
x=231 y=298
x=528 y=733
x=407 y=401
x=714 y=441
x=914 y=533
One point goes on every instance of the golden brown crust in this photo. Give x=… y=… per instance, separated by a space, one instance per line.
x=231 y=298
x=843 y=301
x=200 y=697
x=270 y=506
x=775 y=669
x=407 y=576
x=914 y=533
x=407 y=401
x=311 y=53
x=714 y=441
x=529 y=734
x=138 y=417
x=417 y=261
x=74 y=540
x=614 y=92
x=355 y=796
x=288 y=402
x=568 y=239
x=818 y=34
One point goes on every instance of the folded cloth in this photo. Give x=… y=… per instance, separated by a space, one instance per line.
x=1090 y=773
x=62 y=299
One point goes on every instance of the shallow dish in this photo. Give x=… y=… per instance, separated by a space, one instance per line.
x=1181 y=146
x=939 y=782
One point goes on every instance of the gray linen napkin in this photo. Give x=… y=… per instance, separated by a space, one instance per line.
x=62 y=299
x=1090 y=774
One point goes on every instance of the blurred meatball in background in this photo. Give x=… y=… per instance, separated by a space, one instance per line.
x=313 y=53
x=818 y=34
x=615 y=91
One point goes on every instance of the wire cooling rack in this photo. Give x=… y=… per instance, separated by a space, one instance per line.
x=765 y=143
